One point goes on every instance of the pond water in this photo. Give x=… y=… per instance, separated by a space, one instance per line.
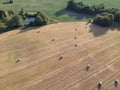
x=27 y=21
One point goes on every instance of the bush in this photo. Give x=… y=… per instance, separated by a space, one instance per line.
x=2 y=14
x=39 y=21
x=21 y=12
x=11 y=1
x=31 y=23
x=2 y=27
x=14 y=22
x=10 y=12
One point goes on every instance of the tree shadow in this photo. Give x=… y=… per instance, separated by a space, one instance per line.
x=94 y=29
x=25 y=29
x=73 y=14
x=99 y=30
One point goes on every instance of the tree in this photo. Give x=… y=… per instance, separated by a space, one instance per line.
x=71 y=4
x=39 y=21
x=11 y=1
x=14 y=22
x=117 y=17
x=104 y=19
x=21 y=12
x=10 y=12
x=2 y=27
x=45 y=19
x=2 y=14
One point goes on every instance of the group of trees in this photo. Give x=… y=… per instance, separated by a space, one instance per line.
x=83 y=8
x=39 y=21
x=40 y=18
x=13 y=22
x=104 y=16
x=9 y=20
x=104 y=19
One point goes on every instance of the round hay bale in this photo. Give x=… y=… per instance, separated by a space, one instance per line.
x=18 y=60
x=99 y=85
x=75 y=29
x=53 y=40
x=75 y=37
x=75 y=45
x=116 y=82
x=60 y=58
x=38 y=31
x=87 y=67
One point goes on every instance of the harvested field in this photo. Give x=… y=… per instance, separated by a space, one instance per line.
x=54 y=57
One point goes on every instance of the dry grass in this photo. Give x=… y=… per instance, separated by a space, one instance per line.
x=40 y=67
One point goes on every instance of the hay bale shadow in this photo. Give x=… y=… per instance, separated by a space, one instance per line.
x=53 y=40
x=75 y=37
x=75 y=45
x=60 y=58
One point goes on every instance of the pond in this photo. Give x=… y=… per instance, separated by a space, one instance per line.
x=27 y=21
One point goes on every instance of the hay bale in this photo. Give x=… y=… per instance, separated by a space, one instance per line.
x=116 y=82
x=75 y=29
x=75 y=37
x=18 y=60
x=87 y=67
x=99 y=85
x=53 y=40
x=60 y=58
x=38 y=31
x=75 y=45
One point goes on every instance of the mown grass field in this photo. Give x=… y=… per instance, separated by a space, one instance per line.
x=54 y=9
x=40 y=67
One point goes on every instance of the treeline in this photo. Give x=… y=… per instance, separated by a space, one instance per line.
x=104 y=16
x=8 y=2
x=9 y=20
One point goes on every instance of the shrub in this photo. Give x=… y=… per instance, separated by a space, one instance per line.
x=39 y=21
x=10 y=12
x=31 y=23
x=14 y=22
x=2 y=14
x=21 y=12
x=2 y=27
x=11 y=1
